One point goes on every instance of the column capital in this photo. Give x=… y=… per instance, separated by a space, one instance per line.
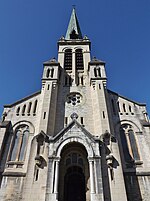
x=90 y=159
x=54 y=158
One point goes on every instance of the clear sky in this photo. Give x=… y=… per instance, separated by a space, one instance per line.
x=118 y=29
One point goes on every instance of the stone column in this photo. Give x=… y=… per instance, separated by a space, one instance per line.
x=49 y=187
x=97 y=165
x=56 y=176
x=92 y=186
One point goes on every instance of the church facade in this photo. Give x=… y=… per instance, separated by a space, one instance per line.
x=74 y=140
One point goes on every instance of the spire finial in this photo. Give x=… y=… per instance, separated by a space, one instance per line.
x=73 y=31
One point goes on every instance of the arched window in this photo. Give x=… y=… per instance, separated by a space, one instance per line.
x=79 y=59
x=74 y=159
x=23 y=110
x=29 y=108
x=17 y=111
x=129 y=144
x=130 y=109
x=52 y=72
x=68 y=59
x=19 y=143
x=99 y=72
x=124 y=107
x=35 y=107
x=47 y=73
x=95 y=72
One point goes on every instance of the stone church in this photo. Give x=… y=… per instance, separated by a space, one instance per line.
x=74 y=140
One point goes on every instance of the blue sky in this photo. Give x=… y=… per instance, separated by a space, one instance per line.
x=118 y=29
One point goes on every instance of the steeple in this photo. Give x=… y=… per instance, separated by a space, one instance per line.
x=73 y=31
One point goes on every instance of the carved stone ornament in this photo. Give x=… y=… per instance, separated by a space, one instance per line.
x=74 y=116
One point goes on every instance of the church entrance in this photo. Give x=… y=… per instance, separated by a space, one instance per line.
x=74 y=186
x=73 y=174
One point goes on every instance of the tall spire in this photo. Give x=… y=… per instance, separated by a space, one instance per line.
x=73 y=31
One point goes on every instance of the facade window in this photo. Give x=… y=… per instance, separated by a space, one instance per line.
x=17 y=111
x=99 y=72
x=74 y=159
x=82 y=121
x=74 y=99
x=35 y=108
x=68 y=59
x=19 y=143
x=79 y=59
x=47 y=73
x=124 y=107
x=103 y=115
x=52 y=72
x=29 y=108
x=130 y=109
x=44 y=115
x=23 y=110
x=129 y=144
x=95 y=72
x=66 y=121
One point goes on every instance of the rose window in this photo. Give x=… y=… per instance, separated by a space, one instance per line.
x=74 y=99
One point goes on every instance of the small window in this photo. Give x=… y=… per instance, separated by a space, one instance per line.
x=44 y=115
x=82 y=121
x=99 y=72
x=79 y=59
x=82 y=83
x=66 y=121
x=130 y=109
x=47 y=73
x=29 y=108
x=23 y=110
x=124 y=107
x=103 y=115
x=35 y=107
x=95 y=72
x=18 y=110
x=52 y=72
x=68 y=59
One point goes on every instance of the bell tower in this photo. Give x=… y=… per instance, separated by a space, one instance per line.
x=74 y=53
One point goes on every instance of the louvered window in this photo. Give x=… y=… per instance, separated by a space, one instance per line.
x=68 y=59
x=79 y=59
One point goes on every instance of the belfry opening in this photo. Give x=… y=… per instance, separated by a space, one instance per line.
x=74 y=173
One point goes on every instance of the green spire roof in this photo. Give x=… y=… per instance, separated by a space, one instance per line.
x=73 y=31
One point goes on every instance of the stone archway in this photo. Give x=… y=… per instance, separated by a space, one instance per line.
x=73 y=173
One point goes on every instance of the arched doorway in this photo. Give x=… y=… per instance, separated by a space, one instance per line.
x=73 y=173
x=74 y=184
